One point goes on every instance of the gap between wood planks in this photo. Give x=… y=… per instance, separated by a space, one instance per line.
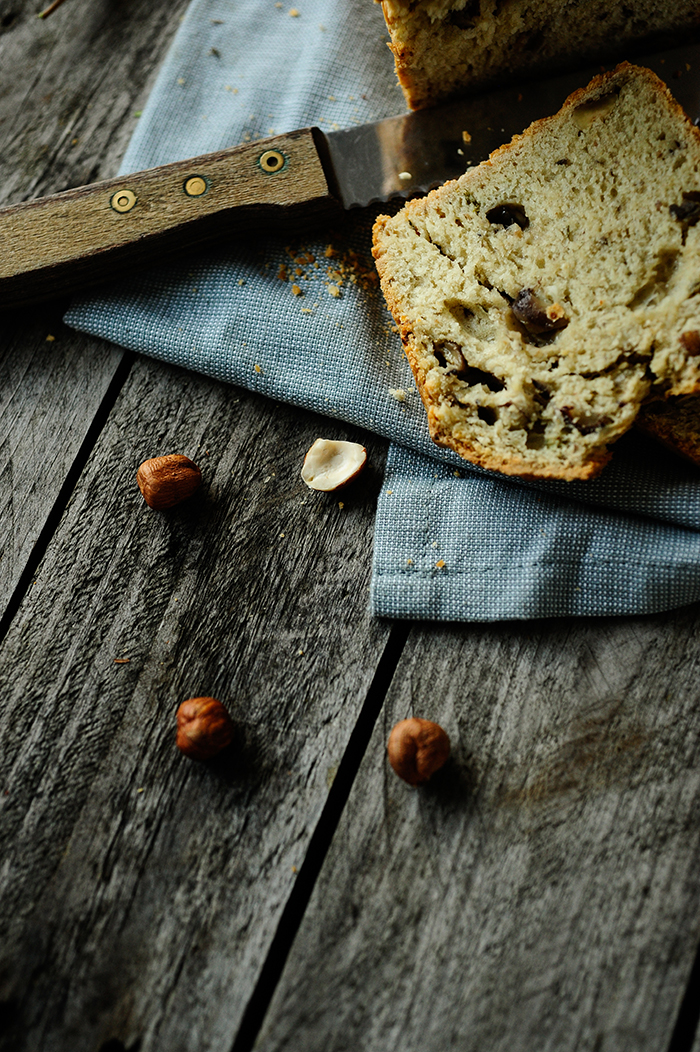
x=320 y=841
x=686 y=1026
x=54 y=517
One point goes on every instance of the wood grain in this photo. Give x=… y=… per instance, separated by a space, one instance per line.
x=140 y=890
x=71 y=88
x=52 y=382
x=542 y=891
x=69 y=91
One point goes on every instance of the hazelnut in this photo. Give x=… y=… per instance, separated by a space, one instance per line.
x=166 y=481
x=417 y=749
x=331 y=465
x=204 y=728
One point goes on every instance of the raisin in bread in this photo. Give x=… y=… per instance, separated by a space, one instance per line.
x=442 y=47
x=550 y=291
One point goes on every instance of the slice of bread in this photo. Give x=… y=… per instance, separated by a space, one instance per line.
x=443 y=47
x=549 y=292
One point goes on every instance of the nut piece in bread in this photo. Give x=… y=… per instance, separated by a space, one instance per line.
x=549 y=292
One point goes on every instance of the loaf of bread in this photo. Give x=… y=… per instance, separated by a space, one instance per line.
x=443 y=47
x=548 y=293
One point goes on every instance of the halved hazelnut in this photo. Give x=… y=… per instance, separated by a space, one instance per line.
x=330 y=465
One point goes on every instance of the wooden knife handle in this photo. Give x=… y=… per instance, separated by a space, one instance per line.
x=85 y=236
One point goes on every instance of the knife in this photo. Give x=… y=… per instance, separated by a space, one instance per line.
x=301 y=179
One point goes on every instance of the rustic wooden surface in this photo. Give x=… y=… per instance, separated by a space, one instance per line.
x=541 y=893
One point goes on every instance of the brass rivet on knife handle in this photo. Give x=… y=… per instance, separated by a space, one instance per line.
x=272 y=161
x=195 y=186
x=123 y=200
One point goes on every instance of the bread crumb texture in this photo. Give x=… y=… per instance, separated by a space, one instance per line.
x=549 y=292
x=442 y=47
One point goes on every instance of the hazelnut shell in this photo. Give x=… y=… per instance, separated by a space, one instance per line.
x=166 y=481
x=417 y=748
x=204 y=728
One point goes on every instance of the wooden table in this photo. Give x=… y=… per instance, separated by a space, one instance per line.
x=543 y=893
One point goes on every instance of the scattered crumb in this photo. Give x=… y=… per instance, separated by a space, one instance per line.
x=241 y=281
x=296 y=290
x=306 y=310
x=50 y=338
x=440 y=564
x=409 y=562
x=398 y=393
x=405 y=176
x=466 y=137
x=282 y=272
x=122 y=661
x=300 y=653
x=340 y=504
x=457 y=474
x=389 y=492
x=181 y=80
x=334 y=291
x=330 y=252
x=257 y=368
x=435 y=543
x=293 y=13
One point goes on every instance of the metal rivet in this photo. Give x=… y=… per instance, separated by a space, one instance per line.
x=123 y=200
x=195 y=186
x=272 y=161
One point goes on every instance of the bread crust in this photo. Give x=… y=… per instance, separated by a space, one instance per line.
x=444 y=48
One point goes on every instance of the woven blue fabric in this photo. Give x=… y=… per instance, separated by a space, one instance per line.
x=304 y=321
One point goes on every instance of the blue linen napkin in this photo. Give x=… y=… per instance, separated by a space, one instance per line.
x=304 y=321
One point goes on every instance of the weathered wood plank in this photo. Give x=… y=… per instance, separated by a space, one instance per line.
x=52 y=381
x=139 y=891
x=543 y=892
x=71 y=87
x=69 y=90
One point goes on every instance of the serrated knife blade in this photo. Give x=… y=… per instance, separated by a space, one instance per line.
x=83 y=237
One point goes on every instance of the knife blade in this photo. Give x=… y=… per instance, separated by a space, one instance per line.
x=83 y=237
